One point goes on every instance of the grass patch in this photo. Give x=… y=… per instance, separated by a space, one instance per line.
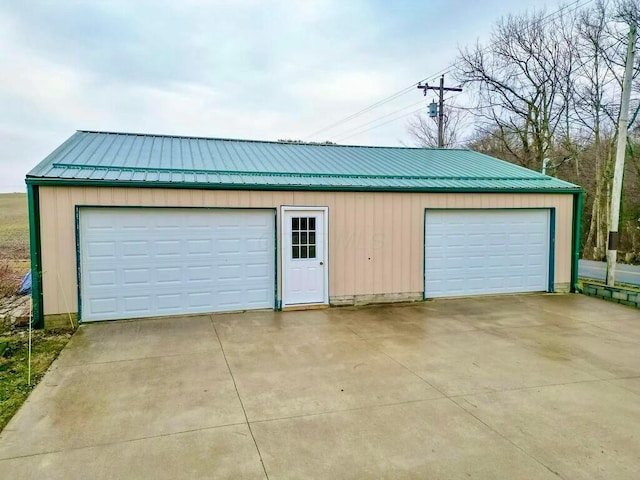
x=14 y=233
x=14 y=389
x=14 y=241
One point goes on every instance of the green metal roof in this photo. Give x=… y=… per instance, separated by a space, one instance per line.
x=129 y=159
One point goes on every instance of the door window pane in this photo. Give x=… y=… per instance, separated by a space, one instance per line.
x=303 y=237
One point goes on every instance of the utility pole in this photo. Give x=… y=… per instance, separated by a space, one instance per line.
x=441 y=89
x=623 y=122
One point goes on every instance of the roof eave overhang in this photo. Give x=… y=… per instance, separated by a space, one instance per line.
x=44 y=181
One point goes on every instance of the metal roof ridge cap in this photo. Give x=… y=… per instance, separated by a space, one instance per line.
x=48 y=161
x=519 y=167
x=274 y=142
x=301 y=174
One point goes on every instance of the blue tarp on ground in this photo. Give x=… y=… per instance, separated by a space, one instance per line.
x=25 y=284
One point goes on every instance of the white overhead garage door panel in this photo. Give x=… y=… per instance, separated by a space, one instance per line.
x=475 y=252
x=145 y=262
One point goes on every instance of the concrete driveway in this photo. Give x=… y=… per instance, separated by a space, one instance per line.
x=535 y=387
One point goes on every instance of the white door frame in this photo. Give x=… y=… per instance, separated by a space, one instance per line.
x=284 y=262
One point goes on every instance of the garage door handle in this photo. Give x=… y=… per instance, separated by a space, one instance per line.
x=321 y=263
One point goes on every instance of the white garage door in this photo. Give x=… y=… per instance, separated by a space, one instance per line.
x=144 y=262
x=474 y=252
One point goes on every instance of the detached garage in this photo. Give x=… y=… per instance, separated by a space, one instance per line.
x=133 y=226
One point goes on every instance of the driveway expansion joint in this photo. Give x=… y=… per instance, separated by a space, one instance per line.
x=354 y=409
x=529 y=387
x=398 y=363
x=478 y=419
x=136 y=359
x=118 y=442
x=264 y=468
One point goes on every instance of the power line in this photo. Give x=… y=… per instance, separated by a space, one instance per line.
x=400 y=117
x=346 y=134
x=377 y=104
x=413 y=104
x=543 y=23
x=341 y=136
x=441 y=89
x=383 y=123
x=546 y=19
x=409 y=88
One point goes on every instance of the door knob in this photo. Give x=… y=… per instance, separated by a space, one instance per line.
x=321 y=263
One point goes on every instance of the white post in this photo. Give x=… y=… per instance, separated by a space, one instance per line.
x=30 y=340
x=616 y=193
x=545 y=164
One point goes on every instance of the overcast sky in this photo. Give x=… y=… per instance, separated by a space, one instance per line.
x=252 y=69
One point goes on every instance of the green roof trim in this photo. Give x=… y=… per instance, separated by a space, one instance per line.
x=137 y=160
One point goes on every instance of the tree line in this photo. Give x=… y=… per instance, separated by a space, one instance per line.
x=546 y=88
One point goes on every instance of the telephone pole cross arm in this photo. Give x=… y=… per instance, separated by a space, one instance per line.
x=441 y=89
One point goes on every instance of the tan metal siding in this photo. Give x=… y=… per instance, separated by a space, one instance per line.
x=375 y=239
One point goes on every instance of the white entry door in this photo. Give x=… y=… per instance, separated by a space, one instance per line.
x=304 y=256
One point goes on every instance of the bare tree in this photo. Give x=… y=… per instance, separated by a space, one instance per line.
x=521 y=82
x=548 y=87
x=601 y=46
x=597 y=85
x=424 y=130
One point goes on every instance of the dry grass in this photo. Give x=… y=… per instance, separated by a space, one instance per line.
x=9 y=281
x=14 y=241
x=14 y=226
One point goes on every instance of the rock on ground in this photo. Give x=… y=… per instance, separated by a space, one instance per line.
x=15 y=310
